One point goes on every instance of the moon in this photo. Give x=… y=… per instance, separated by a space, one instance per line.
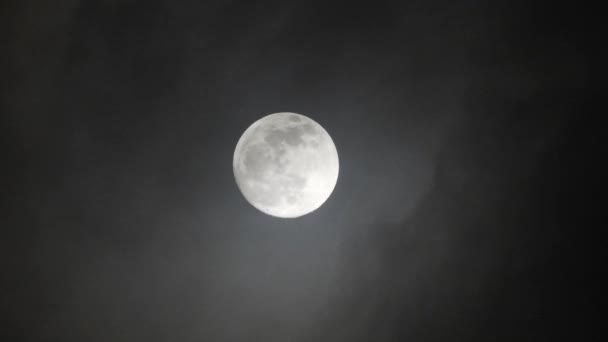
x=286 y=165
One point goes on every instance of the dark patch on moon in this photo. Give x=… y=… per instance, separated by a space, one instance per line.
x=291 y=136
x=297 y=181
x=256 y=161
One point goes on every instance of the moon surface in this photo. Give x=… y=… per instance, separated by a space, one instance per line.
x=286 y=165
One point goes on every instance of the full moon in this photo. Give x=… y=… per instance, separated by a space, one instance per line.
x=286 y=165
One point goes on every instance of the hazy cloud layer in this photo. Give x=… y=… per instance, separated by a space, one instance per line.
x=453 y=123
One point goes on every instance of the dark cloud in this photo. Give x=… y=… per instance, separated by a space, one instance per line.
x=457 y=215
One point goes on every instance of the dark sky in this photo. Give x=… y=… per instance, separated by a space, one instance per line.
x=461 y=212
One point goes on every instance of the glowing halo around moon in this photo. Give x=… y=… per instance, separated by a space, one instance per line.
x=286 y=165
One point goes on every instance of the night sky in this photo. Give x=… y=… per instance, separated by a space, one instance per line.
x=461 y=212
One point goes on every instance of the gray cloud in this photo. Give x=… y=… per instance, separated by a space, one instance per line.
x=124 y=223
